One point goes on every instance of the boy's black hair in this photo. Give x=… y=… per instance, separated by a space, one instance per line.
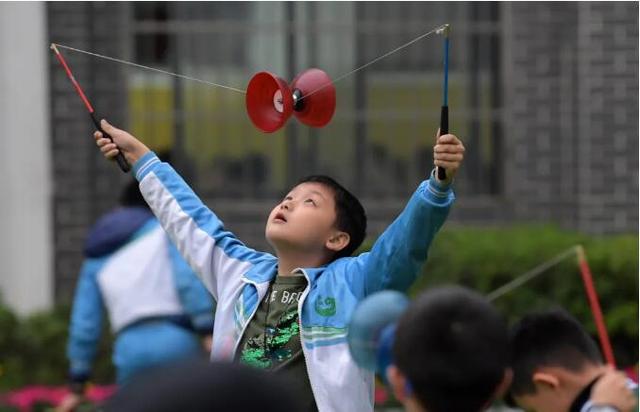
x=451 y=344
x=131 y=196
x=350 y=215
x=550 y=338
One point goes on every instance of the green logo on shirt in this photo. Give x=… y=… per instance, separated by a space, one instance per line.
x=325 y=307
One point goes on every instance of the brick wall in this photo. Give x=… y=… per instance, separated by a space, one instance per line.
x=572 y=114
x=84 y=184
x=570 y=134
x=608 y=117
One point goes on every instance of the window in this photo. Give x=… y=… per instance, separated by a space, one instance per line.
x=380 y=139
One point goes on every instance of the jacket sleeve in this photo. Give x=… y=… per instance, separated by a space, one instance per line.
x=397 y=256
x=86 y=322
x=215 y=254
x=196 y=300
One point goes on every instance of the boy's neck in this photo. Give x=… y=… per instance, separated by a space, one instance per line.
x=289 y=261
x=575 y=382
x=579 y=381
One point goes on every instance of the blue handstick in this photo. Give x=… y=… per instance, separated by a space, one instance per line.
x=446 y=72
x=444 y=113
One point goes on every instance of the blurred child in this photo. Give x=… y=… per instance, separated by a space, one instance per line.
x=557 y=367
x=289 y=312
x=198 y=386
x=157 y=306
x=450 y=353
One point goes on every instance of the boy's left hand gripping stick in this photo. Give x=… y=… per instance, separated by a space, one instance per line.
x=122 y=162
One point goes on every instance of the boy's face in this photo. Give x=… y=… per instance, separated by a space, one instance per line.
x=539 y=402
x=304 y=220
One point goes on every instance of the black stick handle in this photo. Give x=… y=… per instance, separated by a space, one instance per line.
x=444 y=129
x=122 y=162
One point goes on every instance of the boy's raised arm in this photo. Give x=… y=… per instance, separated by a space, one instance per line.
x=215 y=254
x=397 y=256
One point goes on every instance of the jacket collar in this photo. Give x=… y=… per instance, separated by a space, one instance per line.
x=267 y=270
x=583 y=397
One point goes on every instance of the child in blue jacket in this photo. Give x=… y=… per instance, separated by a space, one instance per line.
x=157 y=307
x=289 y=312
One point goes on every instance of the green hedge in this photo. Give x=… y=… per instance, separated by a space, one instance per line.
x=32 y=350
x=487 y=258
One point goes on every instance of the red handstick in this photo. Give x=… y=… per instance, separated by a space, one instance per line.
x=73 y=79
x=592 y=295
x=122 y=162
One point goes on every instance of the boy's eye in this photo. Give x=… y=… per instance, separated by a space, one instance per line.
x=310 y=201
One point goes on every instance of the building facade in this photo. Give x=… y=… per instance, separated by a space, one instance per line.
x=544 y=95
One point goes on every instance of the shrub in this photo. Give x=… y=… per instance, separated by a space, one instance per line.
x=33 y=350
x=487 y=258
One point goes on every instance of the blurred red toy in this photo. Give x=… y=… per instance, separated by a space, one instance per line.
x=270 y=101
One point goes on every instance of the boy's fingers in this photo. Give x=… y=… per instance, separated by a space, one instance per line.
x=448 y=152
x=112 y=153
x=448 y=148
x=107 y=127
x=446 y=164
x=103 y=142
x=97 y=135
x=448 y=138
x=457 y=157
x=108 y=147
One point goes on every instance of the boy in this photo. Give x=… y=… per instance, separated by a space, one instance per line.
x=557 y=368
x=450 y=353
x=157 y=306
x=312 y=286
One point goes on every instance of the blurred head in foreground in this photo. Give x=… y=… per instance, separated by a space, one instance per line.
x=450 y=353
x=197 y=386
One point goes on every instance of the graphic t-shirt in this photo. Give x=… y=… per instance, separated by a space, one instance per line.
x=272 y=338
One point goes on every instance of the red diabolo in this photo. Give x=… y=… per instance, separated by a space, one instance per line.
x=270 y=101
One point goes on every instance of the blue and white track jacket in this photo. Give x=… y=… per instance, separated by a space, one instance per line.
x=134 y=272
x=238 y=277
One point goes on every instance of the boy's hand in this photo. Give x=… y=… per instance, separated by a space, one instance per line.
x=612 y=390
x=448 y=154
x=131 y=148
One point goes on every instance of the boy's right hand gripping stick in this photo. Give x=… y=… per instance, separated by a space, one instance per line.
x=122 y=162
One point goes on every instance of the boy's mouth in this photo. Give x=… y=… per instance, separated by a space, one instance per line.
x=280 y=217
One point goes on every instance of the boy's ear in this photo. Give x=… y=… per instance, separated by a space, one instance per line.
x=338 y=241
x=398 y=383
x=545 y=380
